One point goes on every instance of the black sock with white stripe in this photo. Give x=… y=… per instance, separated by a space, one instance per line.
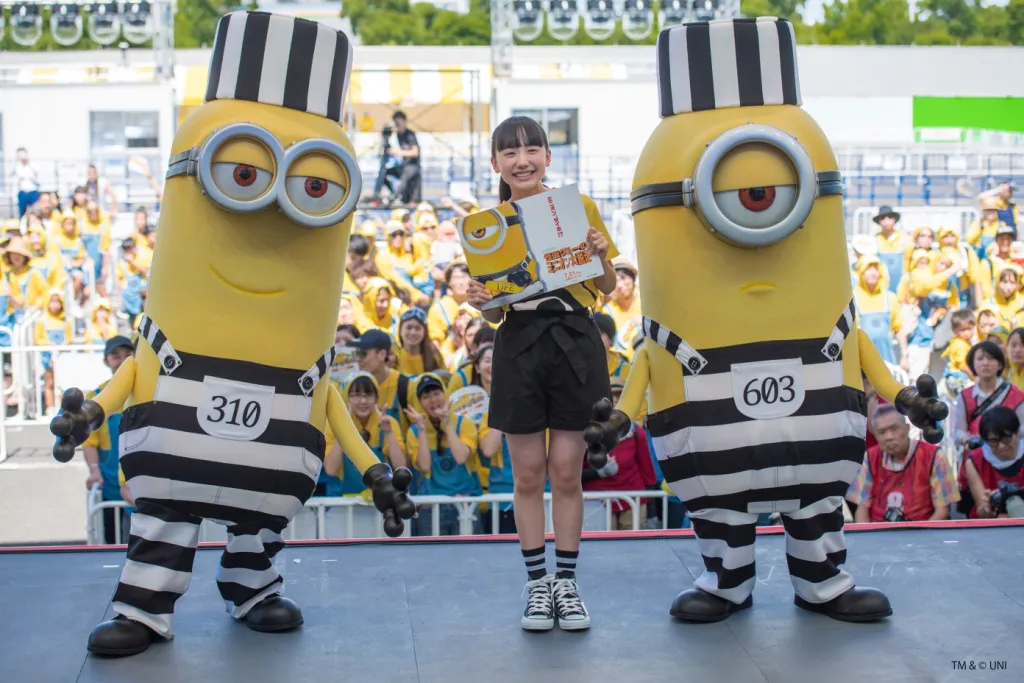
x=535 y=563
x=565 y=563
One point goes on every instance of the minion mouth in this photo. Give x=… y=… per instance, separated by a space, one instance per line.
x=243 y=290
x=758 y=288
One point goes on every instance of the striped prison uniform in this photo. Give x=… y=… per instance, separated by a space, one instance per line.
x=224 y=440
x=765 y=427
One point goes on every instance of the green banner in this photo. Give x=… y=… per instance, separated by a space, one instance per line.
x=979 y=113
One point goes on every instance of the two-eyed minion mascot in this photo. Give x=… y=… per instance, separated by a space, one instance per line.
x=228 y=395
x=752 y=354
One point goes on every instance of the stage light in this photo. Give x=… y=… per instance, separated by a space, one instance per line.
x=637 y=19
x=66 y=23
x=672 y=12
x=103 y=23
x=599 y=21
x=529 y=19
x=706 y=10
x=138 y=22
x=563 y=19
x=26 y=24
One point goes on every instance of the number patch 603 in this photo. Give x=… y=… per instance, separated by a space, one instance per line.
x=769 y=390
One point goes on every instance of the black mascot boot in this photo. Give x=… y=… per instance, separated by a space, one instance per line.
x=276 y=613
x=698 y=605
x=120 y=637
x=856 y=605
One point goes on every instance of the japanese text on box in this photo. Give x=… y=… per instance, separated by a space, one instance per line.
x=564 y=259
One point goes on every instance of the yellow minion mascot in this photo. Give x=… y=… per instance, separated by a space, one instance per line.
x=752 y=353
x=226 y=401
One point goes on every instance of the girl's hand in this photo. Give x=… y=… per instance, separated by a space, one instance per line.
x=383 y=421
x=415 y=417
x=444 y=416
x=477 y=295
x=598 y=243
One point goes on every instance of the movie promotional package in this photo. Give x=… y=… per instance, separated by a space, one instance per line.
x=531 y=246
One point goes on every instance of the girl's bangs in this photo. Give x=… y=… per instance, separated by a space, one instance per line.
x=518 y=131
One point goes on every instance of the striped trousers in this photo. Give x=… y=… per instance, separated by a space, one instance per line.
x=161 y=549
x=815 y=549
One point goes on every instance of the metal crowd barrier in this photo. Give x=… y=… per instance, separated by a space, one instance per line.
x=356 y=517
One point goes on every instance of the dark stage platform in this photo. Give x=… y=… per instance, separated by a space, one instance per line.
x=448 y=612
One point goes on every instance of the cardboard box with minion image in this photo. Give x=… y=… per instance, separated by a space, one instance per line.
x=524 y=248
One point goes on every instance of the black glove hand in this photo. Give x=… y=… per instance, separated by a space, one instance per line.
x=72 y=425
x=924 y=410
x=390 y=496
x=604 y=432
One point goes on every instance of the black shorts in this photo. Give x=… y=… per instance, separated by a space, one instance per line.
x=549 y=369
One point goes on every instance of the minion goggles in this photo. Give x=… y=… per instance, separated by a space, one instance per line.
x=198 y=163
x=696 y=192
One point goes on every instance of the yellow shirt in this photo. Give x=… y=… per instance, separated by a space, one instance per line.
x=441 y=316
x=628 y=322
x=896 y=243
x=956 y=355
x=876 y=302
x=468 y=435
x=29 y=285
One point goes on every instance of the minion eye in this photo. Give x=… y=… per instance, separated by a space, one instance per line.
x=757 y=207
x=241 y=182
x=482 y=234
x=313 y=196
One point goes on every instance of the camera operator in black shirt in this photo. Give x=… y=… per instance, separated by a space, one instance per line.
x=409 y=179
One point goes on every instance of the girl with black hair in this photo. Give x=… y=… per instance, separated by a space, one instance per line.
x=416 y=352
x=549 y=369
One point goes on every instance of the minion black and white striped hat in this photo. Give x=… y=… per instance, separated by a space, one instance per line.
x=726 y=63
x=280 y=60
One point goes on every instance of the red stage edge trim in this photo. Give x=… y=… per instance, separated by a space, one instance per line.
x=661 y=534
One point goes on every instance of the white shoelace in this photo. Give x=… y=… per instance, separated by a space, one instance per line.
x=540 y=596
x=567 y=597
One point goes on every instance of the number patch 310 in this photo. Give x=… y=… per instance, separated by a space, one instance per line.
x=235 y=410
x=769 y=390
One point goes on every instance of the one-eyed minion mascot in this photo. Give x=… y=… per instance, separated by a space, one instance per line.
x=498 y=242
x=229 y=394
x=752 y=353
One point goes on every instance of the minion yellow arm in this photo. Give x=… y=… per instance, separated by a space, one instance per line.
x=118 y=389
x=633 y=394
x=346 y=434
x=875 y=369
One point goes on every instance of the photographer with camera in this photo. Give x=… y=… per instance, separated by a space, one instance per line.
x=901 y=479
x=995 y=468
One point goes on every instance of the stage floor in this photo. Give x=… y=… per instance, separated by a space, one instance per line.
x=448 y=612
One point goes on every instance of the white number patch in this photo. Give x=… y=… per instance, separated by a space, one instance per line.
x=235 y=410
x=769 y=390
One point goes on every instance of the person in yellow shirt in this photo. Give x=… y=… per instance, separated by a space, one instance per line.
x=878 y=312
x=623 y=306
x=46 y=257
x=983 y=231
x=466 y=373
x=1007 y=298
x=102 y=325
x=1015 y=357
x=339 y=476
x=377 y=304
x=399 y=255
x=95 y=231
x=929 y=286
x=52 y=329
x=445 y=450
x=964 y=329
x=998 y=254
x=972 y=278
x=394 y=390
x=892 y=244
x=27 y=286
x=922 y=237
x=415 y=350
x=618 y=364
x=442 y=312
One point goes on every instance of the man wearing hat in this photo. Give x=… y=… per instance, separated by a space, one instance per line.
x=100 y=449
x=892 y=244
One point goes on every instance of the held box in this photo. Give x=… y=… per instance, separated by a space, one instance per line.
x=531 y=246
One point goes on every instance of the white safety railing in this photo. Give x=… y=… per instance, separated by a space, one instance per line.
x=356 y=517
x=935 y=217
